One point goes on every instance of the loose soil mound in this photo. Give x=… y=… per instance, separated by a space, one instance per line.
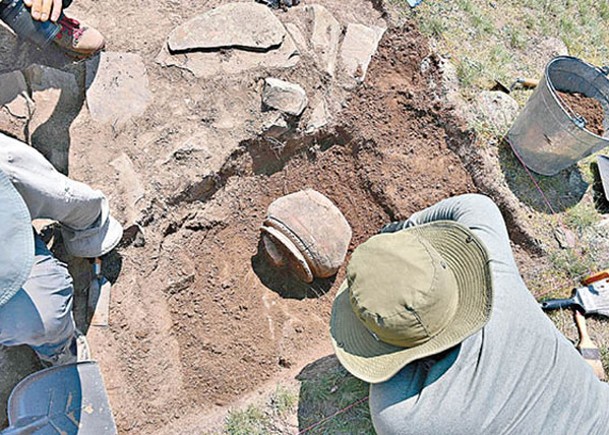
x=589 y=108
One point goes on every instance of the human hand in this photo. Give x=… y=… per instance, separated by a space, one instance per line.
x=42 y=10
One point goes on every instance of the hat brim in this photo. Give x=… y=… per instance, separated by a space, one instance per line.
x=374 y=361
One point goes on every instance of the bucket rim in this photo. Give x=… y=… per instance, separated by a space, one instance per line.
x=553 y=90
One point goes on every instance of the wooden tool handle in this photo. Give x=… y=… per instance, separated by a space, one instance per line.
x=585 y=342
x=528 y=83
x=603 y=274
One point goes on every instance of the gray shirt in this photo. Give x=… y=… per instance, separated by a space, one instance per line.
x=518 y=375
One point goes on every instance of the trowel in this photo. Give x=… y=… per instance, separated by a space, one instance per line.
x=98 y=305
x=524 y=83
x=591 y=298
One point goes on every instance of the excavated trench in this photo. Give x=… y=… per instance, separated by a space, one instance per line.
x=200 y=319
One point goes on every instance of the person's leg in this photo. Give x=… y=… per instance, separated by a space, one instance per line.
x=47 y=192
x=40 y=314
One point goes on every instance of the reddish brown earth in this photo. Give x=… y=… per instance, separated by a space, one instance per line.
x=589 y=108
x=233 y=322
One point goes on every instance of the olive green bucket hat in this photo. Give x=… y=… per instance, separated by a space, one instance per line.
x=409 y=295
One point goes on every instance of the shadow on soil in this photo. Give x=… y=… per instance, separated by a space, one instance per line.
x=18 y=54
x=331 y=400
x=284 y=283
x=563 y=190
x=598 y=194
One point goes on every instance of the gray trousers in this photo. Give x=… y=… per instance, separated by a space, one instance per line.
x=40 y=314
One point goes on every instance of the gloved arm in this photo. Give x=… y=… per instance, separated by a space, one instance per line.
x=477 y=212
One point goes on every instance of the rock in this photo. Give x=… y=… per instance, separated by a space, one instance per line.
x=276 y=126
x=16 y=106
x=14 y=94
x=325 y=36
x=129 y=186
x=284 y=96
x=297 y=35
x=117 y=87
x=231 y=62
x=498 y=108
x=319 y=117
x=58 y=100
x=566 y=238
x=238 y=25
x=358 y=47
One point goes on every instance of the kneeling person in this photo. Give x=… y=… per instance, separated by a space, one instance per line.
x=435 y=315
x=36 y=289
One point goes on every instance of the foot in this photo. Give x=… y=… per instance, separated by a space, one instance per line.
x=77 y=39
x=77 y=350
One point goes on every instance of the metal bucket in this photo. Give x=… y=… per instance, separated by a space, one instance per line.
x=547 y=135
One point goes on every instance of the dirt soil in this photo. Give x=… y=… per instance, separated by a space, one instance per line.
x=205 y=319
x=198 y=317
x=589 y=108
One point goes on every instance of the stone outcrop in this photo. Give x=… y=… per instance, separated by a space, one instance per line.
x=234 y=25
x=325 y=36
x=286 y=97
x=116 y=87
x=358 y=47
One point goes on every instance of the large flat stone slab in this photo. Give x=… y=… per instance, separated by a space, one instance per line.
x=325 y=36
x=358 y=47
x=211 y=64
x=234 y=25
x=286 y=97
x=116 y=87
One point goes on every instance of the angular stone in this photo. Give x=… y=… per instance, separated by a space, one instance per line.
x=284 y=96
x=211 y=64
x=297 y=35
x=14 y=94
x=498 y=108
x=117 y=87
x=358 y=47
x=325 y=36
x=319 y=117
x=58 y=100
x=16 y=106
x=276 y=126
x=238 y=25
x=129 y=186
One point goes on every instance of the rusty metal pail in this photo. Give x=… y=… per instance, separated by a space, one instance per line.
x=547 y=135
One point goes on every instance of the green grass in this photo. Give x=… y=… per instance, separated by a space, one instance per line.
x=269 y=417
x=283 y=401
x=332 y=392
x=471 y=29
x=489 y=41
x=251 y=421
